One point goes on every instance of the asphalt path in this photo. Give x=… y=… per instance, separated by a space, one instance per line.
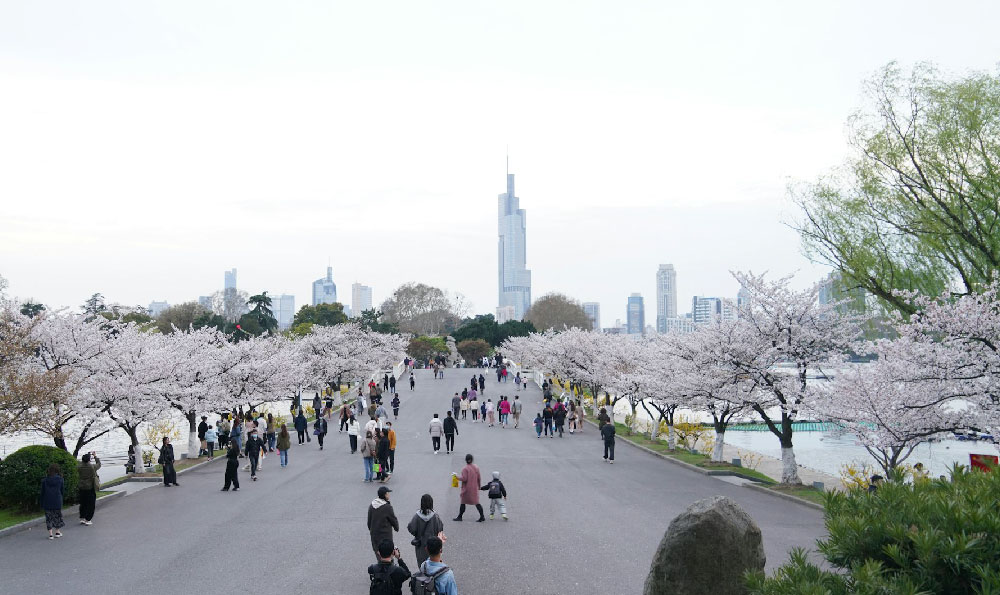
x=577 y=524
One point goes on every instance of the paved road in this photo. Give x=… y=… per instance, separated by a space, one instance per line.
x=577 y=525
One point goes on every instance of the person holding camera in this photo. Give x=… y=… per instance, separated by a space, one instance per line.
x=87 y=486
x=388 y=576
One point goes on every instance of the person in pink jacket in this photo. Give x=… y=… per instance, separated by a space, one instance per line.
x=504 y=411
x=470 y=479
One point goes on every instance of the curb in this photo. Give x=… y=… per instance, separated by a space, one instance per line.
x=40 y=521
x=788 y=497
x=160 y=477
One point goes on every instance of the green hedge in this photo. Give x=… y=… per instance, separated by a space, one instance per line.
x=935 y=536
x=22 y=472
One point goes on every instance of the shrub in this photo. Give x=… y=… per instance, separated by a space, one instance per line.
x=935 y=536
x=22 y=472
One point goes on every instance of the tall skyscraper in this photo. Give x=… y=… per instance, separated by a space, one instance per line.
x=666 y=296
x=514 y=279
x=593 y=311
x=230 y=280
x=283 y=307
x=635 y=315
x=361 y=299
x=325 y=290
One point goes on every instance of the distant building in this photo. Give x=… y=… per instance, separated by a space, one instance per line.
x=230 y=282
x=679 y=325
x=283 y=307
x=666 y=296
x=742 y=298
x=514 y=279
x=324 y=289
x=832 y=290
x=504 y=314
x=593 y=311
x=707 y=309
x=635 y=314
x=205 y=301
x=157 y=308
x=361 y=299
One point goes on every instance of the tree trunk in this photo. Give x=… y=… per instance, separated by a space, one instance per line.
x=720 y=440
x=137 y=447
x=671 y=439
x=194 y=444
x=631 y=426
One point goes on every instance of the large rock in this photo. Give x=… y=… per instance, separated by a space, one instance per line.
x=706 y=550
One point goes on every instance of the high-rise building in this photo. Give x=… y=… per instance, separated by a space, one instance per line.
x=283 y=308
x=635 y=315
x=504 y=313
x=514 y=279
x=157 y=308
x=742 y=298
x=205 y=301
x=680 y=325
x=361 y=299
x=230 y=280
x=325 y=290
x=707 y=309
x=593 y=311
x=666 y=296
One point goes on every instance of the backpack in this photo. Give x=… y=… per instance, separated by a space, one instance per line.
x=494 y=489
x=381 y=582
x=425 y=584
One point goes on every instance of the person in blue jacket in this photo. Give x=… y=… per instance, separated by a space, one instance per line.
x=52 y=500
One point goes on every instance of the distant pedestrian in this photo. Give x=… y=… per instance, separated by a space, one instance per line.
x=456 y=405
x=395 y=406
x=392 y=446
x=497 y=494
x=381 y=519
x=345 y=412
x=87 y=486
x=482 y=411
x=571 y=416
x=559 y=417
x=470 y=479
x=412 y=381
x=482 y=384
x=254 y=448
x=608 y=434
x=320 y=429
x=473 y=407
x=167 y=463
x=353 y=427
x=436 y=429
x=317 y=405
x=386 y=576
x=474 y=383
x=202 y=428
x=490 y=415
x=603 y=419
x=211 y=436
x=284 y=442
x=539 y=424
x=368 y=447
x=232 y=468
x=504 y=407
x=53 y=489
x=425 y=524
x=236 y=435
x=300 y=427
x=515 y=408
x=517 y=381
x=392 y=384
x=580 y=417
x=271 y=432
x=382 y=453
x=450 y=431
x=436 y=570
x=547 y=417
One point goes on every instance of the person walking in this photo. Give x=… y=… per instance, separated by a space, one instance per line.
x=392 y=446
x=474 y=383
x=515 y=408
x=425 y=524
x=211 y=436
x=438 y=571
x=352 y=433
x=436 y=429
x=470 y=479
x=271 y=430
x=87 y=486
x=450 y=431
x=580 y=417
x=381 y=519
x=392 y=384
x=539 y=424
x=603 y=419
x=497 y=494
x=254 y=448
x=320 y=428
x=504 y=407
x=395 y=406
x=571 y=416
x=482 y=411
x=412 y=381
x=53 y=488
x=368 y=447
x=608 y=434
x=317 y=405
x=381 y=414
x=517 y=381
x=385 y=383
x=490 y=416
x=202 y=428
x=236 y=436
x=232 y=468
x=464 y=406
x=224 y=427
x=387 y=576
x=300 y=427
x=456 y=405
x=284 y=442
x=345 y=411
x=482 y=384
x=473 y=406
x=382 y=452
x=547 y=415
x=559 y=416
x=167 y=462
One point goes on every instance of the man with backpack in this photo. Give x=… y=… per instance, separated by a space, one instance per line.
x=387 y=577
x=381 y=520
x=434 y=576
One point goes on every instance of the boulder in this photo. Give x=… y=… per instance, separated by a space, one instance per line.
x=706 y=550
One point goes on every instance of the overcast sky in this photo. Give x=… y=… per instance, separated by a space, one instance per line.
x=146 y=147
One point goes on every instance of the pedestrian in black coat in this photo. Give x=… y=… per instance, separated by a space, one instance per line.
x=232 y=467
x=301 y=425
x=382 y=452
x=608 y=433
x=167 y=462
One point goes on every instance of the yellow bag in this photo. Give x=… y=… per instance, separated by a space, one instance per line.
x=454 y=480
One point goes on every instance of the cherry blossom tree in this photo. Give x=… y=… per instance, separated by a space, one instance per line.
x=330 y=352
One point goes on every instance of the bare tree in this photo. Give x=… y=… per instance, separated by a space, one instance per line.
x=557 y=311
x=423 y=310
x=180 y=316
